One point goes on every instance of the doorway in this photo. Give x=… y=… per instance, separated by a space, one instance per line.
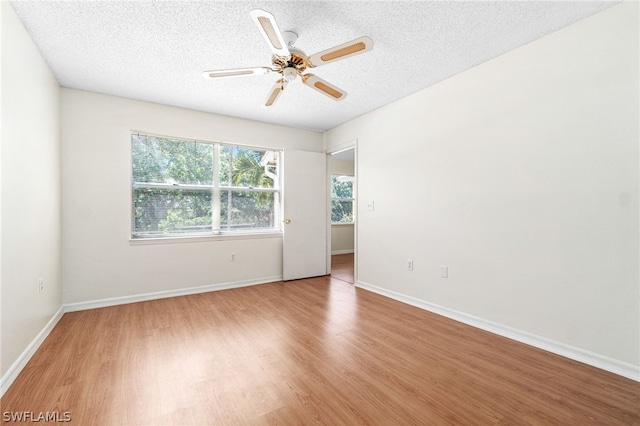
x=342 y=214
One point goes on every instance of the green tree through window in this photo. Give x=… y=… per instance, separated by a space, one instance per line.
x=341 y=199
x=183 y=187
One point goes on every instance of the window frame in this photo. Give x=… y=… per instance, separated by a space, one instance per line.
x=215 y=189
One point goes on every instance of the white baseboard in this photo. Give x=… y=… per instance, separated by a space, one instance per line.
x=349 y=251
x=123 y=300
x=26 y=355
x=596 y=360
x=623 y=369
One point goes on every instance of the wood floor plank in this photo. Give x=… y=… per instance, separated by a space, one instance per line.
x=315 y=351
x=342 y=267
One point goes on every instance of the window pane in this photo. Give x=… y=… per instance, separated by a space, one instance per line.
x=226 y=164
x=164 y=160
x=171 y=211
x=248 y=167
x=341 y=211
x=340 y=187
x=342 y=199
x=175 y=182
x=241 y=210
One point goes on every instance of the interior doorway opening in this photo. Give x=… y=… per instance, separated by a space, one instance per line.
x=343 y=214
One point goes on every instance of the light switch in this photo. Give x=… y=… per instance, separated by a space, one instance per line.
x=444 y=271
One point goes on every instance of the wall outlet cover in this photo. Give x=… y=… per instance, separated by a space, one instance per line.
x=444 y=271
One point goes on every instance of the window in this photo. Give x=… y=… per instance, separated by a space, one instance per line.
x=186 y=187
x=341 y=199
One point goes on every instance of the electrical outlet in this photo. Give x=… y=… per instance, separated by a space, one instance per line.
x=232 y=257
x=410 y=264
x=370 y=206
x=40 y=285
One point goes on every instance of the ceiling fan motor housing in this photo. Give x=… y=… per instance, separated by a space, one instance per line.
x=292 y=65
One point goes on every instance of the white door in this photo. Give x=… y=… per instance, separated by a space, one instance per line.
x=304 y=252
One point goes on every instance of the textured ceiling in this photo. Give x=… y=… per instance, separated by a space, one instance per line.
x=156 y=51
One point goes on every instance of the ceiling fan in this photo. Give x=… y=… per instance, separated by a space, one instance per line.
x=291 y=62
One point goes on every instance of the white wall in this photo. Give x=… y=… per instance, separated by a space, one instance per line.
x=342 y=239
x=522 y=176
x=342 y=236
x=526 y=185
x=98 y=259
x=30 y=153
x=342 y=167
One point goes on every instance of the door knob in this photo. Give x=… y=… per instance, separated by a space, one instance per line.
x=287 y=221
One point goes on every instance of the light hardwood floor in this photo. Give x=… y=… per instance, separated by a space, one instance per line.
x=342 y=267
x=316 y=351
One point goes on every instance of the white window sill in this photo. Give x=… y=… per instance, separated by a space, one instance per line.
x=203 y=238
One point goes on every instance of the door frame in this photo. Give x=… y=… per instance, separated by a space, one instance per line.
x=352 y=144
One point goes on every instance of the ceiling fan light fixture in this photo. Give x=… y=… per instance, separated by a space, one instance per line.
x=290 y=73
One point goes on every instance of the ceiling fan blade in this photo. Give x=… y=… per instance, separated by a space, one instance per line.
x=275 y=92
x=342 y=51
x=238 y=72
x=324 y=87
x=269 y=28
